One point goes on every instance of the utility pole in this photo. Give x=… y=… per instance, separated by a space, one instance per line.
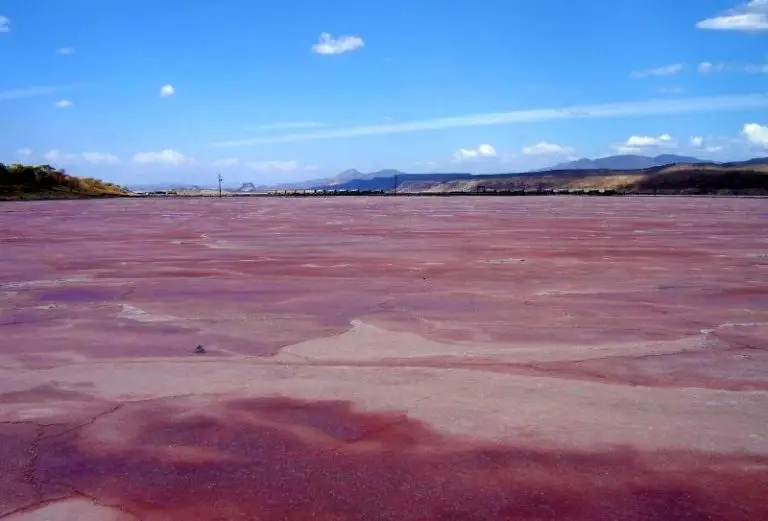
x=220 y=179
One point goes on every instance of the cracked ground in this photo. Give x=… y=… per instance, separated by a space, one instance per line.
x=405 y=359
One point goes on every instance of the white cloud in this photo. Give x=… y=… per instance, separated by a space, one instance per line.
x=707 y=67
x=667 y=70
x=607 y=110
x=100 y=158
x=543 y=148
x=5 y=24
x=96 y=158
x=697 y=141
x=64 y=104
x=483 y=150
x=486 y=150
x=754 y=68
x=636 y=144
x=329 y=45
x=162 y=157
x=24 y=152
x=752 y=16
x=26 y=92
x=648 y=141
x=756 y=134
x=713 y=148
x=66 y=51
x=167 y=90
x=225 y=162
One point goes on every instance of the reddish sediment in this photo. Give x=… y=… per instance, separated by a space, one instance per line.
x=253 y=276
x=283 y=459
x=101 y=287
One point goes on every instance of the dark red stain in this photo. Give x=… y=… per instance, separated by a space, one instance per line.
x=281 y=459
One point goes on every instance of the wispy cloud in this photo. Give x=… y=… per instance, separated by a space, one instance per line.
x=27 y=92
x=63 y=104
x=100 y=158
x=667 y=70
x=707 y=67
x=543 y=149
x=58 y=157
x=287 y=125
x=671 y=90
x=25 y=152
x=329 y=45
x=755 y=68
x=166 y=156
x=66 y=51
x=751 y=16
x=5 y=24
x=609 y=110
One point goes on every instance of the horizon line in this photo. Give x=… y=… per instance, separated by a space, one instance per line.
x=649 y=107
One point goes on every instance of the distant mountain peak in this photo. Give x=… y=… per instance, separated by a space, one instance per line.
x=247 y=187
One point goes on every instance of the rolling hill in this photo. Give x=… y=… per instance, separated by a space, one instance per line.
x=670 y=179
x=45 y=182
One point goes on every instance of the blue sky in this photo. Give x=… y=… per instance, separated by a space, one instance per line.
x=176 y=90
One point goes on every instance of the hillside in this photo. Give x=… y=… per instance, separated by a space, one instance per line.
x=703 y=179
x=45 y=182
x=750 y=179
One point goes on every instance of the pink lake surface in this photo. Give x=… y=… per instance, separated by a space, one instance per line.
x=137 y=280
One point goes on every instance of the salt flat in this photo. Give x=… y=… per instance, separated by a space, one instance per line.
x=384 y=358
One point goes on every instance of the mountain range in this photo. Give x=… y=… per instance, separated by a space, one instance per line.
x=625 y=162
x=388 y=179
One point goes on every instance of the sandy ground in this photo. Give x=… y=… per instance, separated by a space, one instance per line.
x=389 y=359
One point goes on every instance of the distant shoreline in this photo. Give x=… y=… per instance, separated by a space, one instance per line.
x=410 y=195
